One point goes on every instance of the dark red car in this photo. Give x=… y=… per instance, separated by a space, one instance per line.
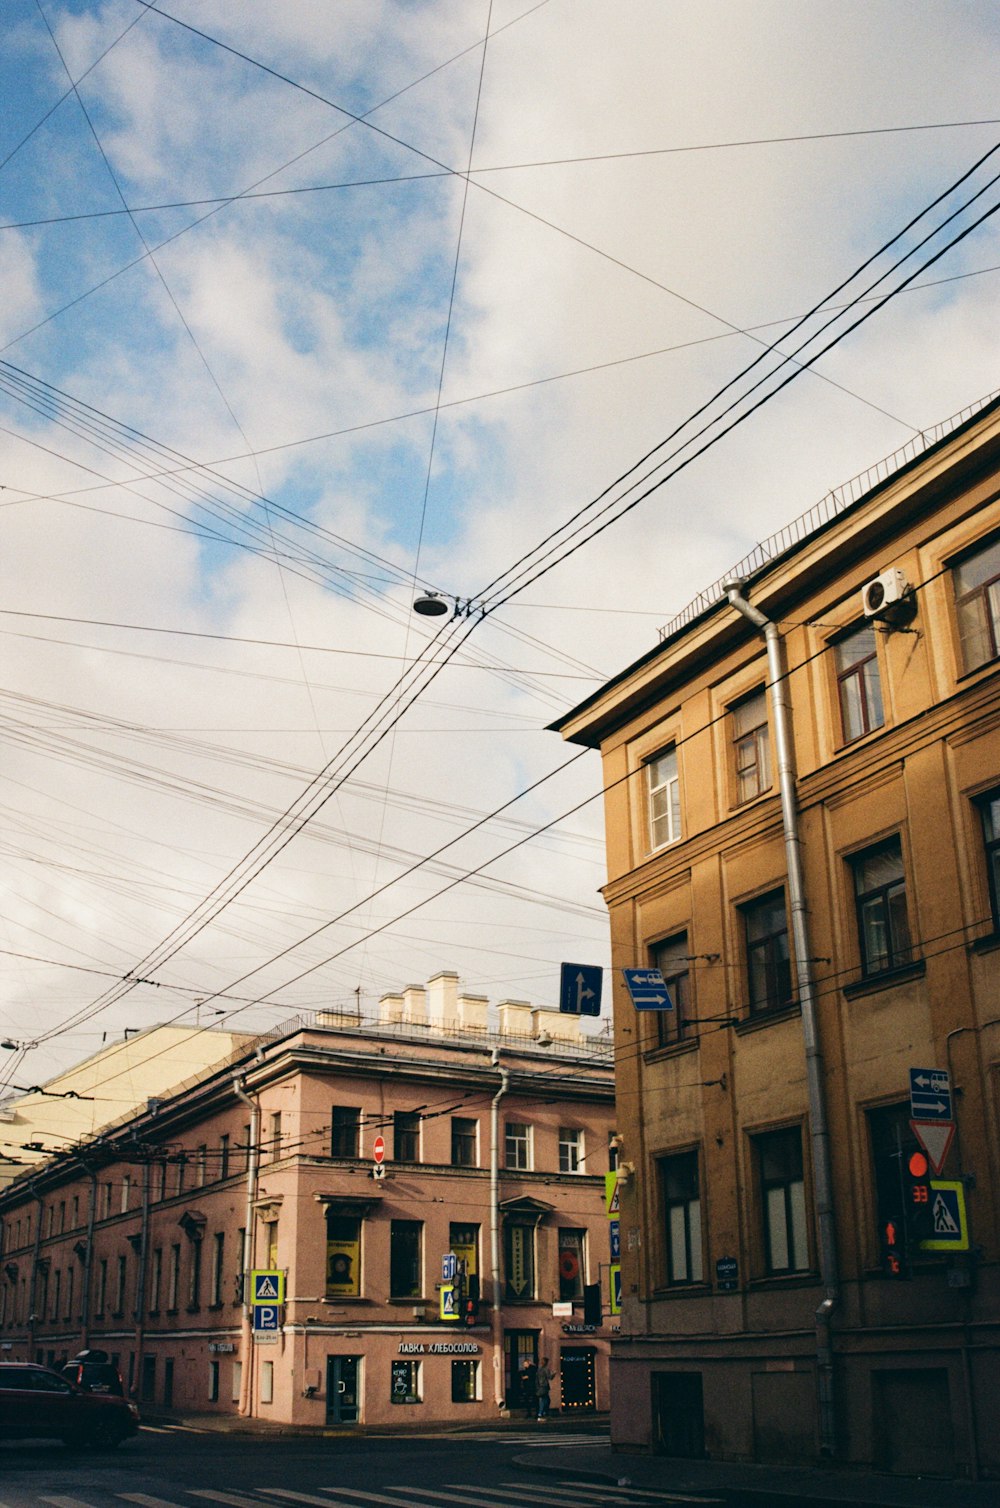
x=36 y=1403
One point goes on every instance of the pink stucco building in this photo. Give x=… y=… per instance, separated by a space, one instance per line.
x=139 y=1240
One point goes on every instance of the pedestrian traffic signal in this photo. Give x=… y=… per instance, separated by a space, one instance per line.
x=919 y=1198
x=894 y=1249
x=470 y=1303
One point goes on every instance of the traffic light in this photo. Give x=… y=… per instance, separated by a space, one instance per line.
x=592 y=1304
x=470 y=1303
x=919 y=1198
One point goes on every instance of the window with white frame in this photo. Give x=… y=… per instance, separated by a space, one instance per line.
x=664 y=798
x=976 y=580
x=859 y=685
x=681 y=1194
x=517 y=1146
x=751 y=746
x=783 y=1200
x=570 y=1149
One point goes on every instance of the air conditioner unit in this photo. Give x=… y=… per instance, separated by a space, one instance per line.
x=887 y=592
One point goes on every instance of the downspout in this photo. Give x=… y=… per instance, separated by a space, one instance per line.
x=802 y=954
x=140 y=1284
x=88 y=1262
x=246 y=1335
x=496 y=1317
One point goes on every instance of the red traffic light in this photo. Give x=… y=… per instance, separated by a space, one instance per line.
x=918 y=1165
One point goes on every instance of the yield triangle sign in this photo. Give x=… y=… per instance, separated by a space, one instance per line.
x=935 y=1137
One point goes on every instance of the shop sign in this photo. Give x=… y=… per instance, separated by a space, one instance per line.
x=439 y=1348
x=579 y=1329
x=343 y=1268
x=221 y=1347
x=404 y=1382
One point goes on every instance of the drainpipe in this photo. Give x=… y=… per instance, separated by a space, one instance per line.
x=496 y=1317
x=88 y=1262
x=802 y=954
x=140 y=1283
x=33 y=1285
x=246 y=1335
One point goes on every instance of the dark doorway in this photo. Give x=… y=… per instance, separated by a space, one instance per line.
x=577 y=1376
x=168 y=1382
x=678 y=1414
x=519 y=1346
x=342 y=1399
x=148 y=1379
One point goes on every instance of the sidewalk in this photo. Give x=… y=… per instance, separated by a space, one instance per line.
x=598 y=1463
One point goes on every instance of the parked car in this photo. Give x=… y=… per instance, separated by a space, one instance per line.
x=95 y=1372
x=35 y=1402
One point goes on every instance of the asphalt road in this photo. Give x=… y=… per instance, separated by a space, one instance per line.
x=177 y=1467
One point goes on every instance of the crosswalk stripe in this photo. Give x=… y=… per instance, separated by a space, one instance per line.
x=145 y=1500
x=446 y=1495
x=335 y=1502
x=574 y=1494
x=230 y=1499
x=577 y=1494
x=65 y=1502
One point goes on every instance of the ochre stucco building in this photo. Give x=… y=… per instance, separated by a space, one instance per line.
x=779 y=1302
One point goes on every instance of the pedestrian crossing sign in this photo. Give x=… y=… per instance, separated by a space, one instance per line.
x=612 y=1196
x=950 y=1223
x=267 y=1286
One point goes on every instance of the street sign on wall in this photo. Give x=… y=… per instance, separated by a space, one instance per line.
x=267 y=1286
x=930 y=1094
x=949 y=1220
x=648 y=989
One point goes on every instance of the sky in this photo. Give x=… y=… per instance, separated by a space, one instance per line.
x=314 y=306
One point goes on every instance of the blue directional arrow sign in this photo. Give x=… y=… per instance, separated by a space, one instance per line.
x=648 y=990
x=580 y=989
x=930 y=1094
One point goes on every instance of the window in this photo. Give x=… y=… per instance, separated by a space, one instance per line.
x=664 y=799
x=122 y=1278
x=218 y=1267
x=751 y=746
x=69 y=1293
x=880 y=897
x=224 y=1155
x=517 y=1146
x=405 y=1386
x=769 y=973
x=464 y=1139
x=213 y=1382
x=977 y=603
x=271 y=1242
x=671 y=958
x=463 y=1242
x=783 y=1201
x=201 y=1167
x=989 y=812
x=572 y=1270
x=174 y=1281
x=406 y=1136
x=858 y=684
x=56 y=1294
x=194 y=1276
x=343 y=1255
x=156 y=1280
x=405 y=1240
x=680 y=1191
x=126 y=1191
x=275 y=1136
x=267 y=1382
x=106 y=1201
x=345 y=1131
x=570 y=1149
x=519 y=1260
x=62 y=1215
x=465 y=1382
x=161 y=1181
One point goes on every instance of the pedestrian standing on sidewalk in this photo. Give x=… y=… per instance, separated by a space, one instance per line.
x=529 y=1397
x=543 y=1384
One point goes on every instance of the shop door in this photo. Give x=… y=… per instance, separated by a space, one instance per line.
x=576 y=1376
x=519 y=1346
x=342 y=1399
x=678 y=1414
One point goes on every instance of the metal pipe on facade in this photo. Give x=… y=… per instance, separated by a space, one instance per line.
x=802 y=955
x=496 y=1317
x=140 y=1281
x=88 y=1262
x=246 y=1335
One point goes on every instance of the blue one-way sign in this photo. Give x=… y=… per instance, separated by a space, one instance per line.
x=580 y=989
x=648 y=990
